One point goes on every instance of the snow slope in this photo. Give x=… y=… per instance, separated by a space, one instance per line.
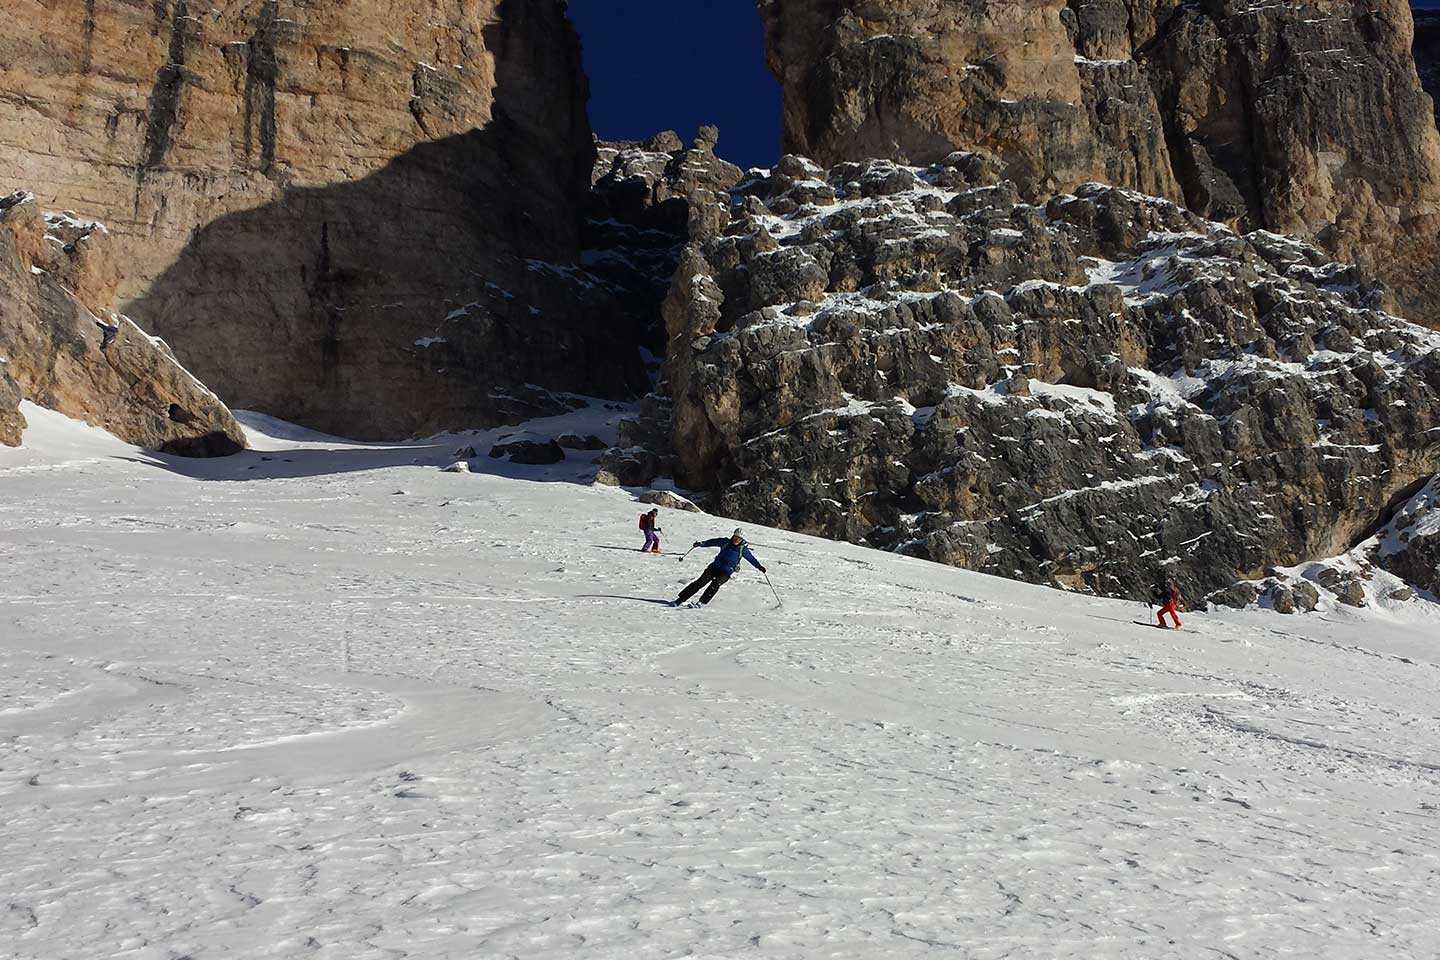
x=324 y=700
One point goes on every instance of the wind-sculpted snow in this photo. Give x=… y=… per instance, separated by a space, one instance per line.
x=1092 y=394
x=322 y=699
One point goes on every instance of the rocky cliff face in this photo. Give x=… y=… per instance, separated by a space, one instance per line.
x=361 y=216
x=647 y=200
x=1087 y=393
x=1426 y=48
x=1303 y=118
x=919 y=79
x=57 y=288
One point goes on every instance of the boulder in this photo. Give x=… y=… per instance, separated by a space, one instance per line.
x=628 y=467
x=669 y=500
x=571 y=441
x=1290 y=596
x=1348 y=586
x=529 y=452
x=1307 y=598
x=1237 y=595
x=1282 y=598
x=1351 y=592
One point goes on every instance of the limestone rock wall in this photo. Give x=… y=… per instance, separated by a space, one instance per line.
x=1093 y=392
x=647 y=201
x=363 y=216
x=1304 y=118
x=57 y=287
x=918 y=79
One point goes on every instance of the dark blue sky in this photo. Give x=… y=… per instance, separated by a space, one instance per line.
x=676 y=64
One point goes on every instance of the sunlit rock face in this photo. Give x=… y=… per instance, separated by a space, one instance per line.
x=1092 y=392
x=1307 y=118
x=361 y=216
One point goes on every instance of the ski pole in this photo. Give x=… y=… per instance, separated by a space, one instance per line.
x=778 y=602
x=686 y=554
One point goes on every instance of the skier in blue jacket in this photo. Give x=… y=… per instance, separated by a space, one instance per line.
x=722 y=568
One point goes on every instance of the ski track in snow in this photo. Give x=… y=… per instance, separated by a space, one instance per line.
x=304 y=714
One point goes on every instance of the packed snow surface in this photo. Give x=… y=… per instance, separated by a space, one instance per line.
x=324 y=700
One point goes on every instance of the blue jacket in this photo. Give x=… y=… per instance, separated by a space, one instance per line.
x=729 y=558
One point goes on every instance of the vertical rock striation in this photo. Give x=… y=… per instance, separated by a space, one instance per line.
x=1304 y=118
x=364 y=216
x=918 y=79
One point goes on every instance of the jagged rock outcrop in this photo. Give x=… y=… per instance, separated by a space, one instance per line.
x=647 y=200
x=1083 y=393
x=362 y=216
x=57 y=287
x=1397 y=564
x=1409 y=546
x=1304 y=118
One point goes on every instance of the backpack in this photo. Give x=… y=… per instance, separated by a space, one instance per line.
x=642 y=520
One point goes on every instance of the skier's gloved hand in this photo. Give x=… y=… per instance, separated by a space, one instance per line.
x=763 y=570
x=696 y=543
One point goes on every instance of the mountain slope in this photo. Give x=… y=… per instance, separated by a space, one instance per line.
x=323 y=698
x=1096 y=393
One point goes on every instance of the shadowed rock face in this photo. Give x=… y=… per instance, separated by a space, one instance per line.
x=1086 y=393
x=1301 y=118
x=648 y=199
x=362 y=216
x=1409 y=546
x=57 y=282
